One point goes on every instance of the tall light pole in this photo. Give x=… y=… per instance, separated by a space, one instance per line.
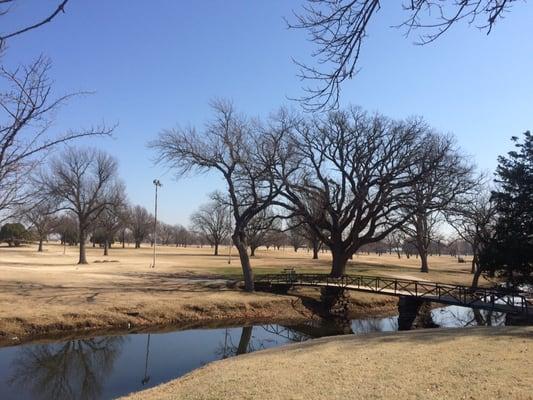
x=157 y=185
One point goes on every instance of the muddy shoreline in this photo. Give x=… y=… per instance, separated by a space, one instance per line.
x=284 y=309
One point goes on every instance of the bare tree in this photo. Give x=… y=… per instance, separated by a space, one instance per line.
x=41 y=218
x=308 y=232
x=296 y=235
x=355 y=168
x=244 y=156
x=5 y=11
x=449 y=177
x=396 y=241
x=27 y=107
x=166 y=233
x=259 y=229
x=110 y=221
x=84 y=182
x=183 y=236
x=125 y=222
x=141 y=223
x=338 y=28
x=67 y=229
x=473 y=218
x=212 y=221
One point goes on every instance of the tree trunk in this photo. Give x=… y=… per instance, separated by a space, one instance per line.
x=216 y=249
x=40 y=244
x=83 y=257
x=424 y=261
x=475 y=280
x=137 y=244
x=238 y=241
x=315 y=251
x=340 y=258
x=252 y=251
x=106 y=246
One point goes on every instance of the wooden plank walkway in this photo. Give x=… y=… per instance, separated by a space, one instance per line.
x=482 y=298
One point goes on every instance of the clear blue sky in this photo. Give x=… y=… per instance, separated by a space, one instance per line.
x=157 y=64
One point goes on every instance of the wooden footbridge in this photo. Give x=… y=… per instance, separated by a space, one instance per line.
x=482 y=298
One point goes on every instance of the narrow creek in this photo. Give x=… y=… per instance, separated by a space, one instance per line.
x=106 y=367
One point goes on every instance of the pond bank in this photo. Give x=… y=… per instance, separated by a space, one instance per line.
x=474 y=363
x=168 y=310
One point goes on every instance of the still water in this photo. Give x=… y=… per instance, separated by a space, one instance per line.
x=107 y=367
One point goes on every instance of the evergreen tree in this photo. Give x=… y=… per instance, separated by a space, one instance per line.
x=509 y=252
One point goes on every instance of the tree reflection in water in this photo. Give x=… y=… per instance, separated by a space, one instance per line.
x=464 y=317
x=73 y=370
x=247 y=343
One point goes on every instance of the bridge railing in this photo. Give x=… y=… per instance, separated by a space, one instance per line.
x=464 y=295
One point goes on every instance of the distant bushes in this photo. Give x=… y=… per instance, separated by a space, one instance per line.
x=14 y=234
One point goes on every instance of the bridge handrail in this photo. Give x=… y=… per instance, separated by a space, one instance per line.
x=463 y=294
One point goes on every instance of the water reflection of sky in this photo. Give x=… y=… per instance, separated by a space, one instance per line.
x=108 y=367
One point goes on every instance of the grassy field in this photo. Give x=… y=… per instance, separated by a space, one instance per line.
x=474 y=363
x=43 y=293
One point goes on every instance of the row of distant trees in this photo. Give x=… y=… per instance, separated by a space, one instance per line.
x=211 y=224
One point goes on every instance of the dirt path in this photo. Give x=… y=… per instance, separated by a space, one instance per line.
x=474 y=363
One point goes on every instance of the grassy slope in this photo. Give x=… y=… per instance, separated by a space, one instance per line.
x=475 y=363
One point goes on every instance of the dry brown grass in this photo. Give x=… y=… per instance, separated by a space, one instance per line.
x=476 y=363
x=47 y=292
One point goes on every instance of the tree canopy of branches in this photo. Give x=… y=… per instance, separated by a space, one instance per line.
x=40 y=216
x=84 y=182
x=141 y=222
x=259 y=229
x=110 y=221
x=212 y=221
x=510 y=250
x=241 y=152
x=338 y=28
x=358 y=169
x=27 y=107
x=67 y=229
x=473 y=219
x=449 y=176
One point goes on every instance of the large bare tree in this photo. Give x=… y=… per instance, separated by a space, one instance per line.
x=338 y=28
x=84 y=182
x=27 y=110
x=243 y=154
x=357 y=169
x=212 y=221
x=141 y=222
x=449 y=177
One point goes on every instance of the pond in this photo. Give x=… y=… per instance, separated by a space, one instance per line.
x=110 y=366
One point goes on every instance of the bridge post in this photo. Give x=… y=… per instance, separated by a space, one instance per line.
x=408 y=310
x=414 y=313
x=335 y=301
